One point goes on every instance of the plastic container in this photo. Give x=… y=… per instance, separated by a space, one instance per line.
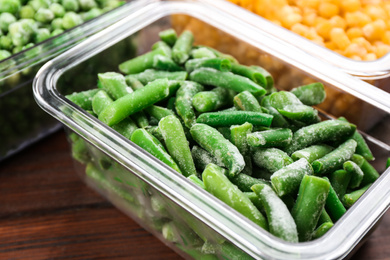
x=177 y=211
x=22 y=121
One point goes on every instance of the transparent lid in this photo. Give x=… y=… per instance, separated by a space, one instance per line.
x=337 y=243
x=371 y=70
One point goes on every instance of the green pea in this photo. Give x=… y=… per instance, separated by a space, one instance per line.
x=71 y=20
x=41 y=35
x=71 y=5
x=9 y=6
x=5 y=20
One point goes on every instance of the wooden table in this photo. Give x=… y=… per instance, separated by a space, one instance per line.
x=46 y=212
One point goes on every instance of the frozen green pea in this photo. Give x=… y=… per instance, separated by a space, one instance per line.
x=5 y=20
x=58 y=10
x=56 y=32
x=27 y=12
x=41 y=35
x=44 y=15
x=70 y=20
x=87 y=5
x=9 y=6
x=4 y=54
x=57 y=23
x=37 y=4
x=71 y=5
x=5 y=42
x=22 y=31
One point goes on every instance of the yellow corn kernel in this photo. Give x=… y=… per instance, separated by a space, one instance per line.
x=338 y=22
x=309 y=3
x=340 y=38
x=374 y=31
x=328 y=10
x=350 y=5
x=324 y=28
x=354 y=32
x=370 y=56
x=319 y=20
x=381 y=49
x=355 y=49
x=312 y=34
x=300 y=29
x=330 y=45
x=357 y=18
x=318 y=40
x=355 y=57
x=290 y=19
x=375 y=12
x=386 y=37
x=277 y=22
x=363 y=42
x=309 y=19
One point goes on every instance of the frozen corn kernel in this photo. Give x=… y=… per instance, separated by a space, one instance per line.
x=355 y=49
x=354 y=32
x=309 y=19
x=338 y=21
x=356 y=57
x=381 y=49
x=370 y=56
x=308 y=3
x=350 y=5
x=291 y=19
x=363 y=42
x=374 y=31
x=324 y=28
x=300 y=29
x=376 y=12
x=328 y=10
x=386 y=37
x=330 y=45
x=357 y=18
x=338 y=36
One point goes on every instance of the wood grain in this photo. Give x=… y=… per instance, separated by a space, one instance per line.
x=47 y=212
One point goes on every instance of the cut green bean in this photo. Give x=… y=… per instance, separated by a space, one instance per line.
x=268 y=77
x=312 y=195
x=270 y=138
x=321 y=230
x=150 y=75
x=126 y=127
x=135 y=101
x=134 y=83
x=271 y=159
x=358 y=159
x=326 y=131
x=214 y=63
x=181 y=49
x=219 y=54
x=324 y=218
x=83 y=99
x=281 y=224
x=183 y=102
x=142 y=62
x=212 y=141
x=208 y=76
x=140 y=118
x=150 y=144
x=312 y=153
x=235 y=118
x=202 y=158
x=356 y=174
x=311 y=94
x=193 y=178
x=114 y=83
x=161 y=62
x=168 y=36
x=238 y=137
x=218 y=184
x=100 y=101
x=200 y=53
x=158 y=112
x=340 y=180
x=217 y=98
x=333 y=205
x=250 y=73
x=286 y=181
x=350 y=198
x=247 y=102
x=279 y=120
x=335 y=159
x=370 y=174
x=245 y=182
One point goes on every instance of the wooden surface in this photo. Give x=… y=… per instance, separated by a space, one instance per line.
x=46 y=212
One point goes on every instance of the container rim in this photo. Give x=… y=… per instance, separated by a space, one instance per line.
x=337 y=243
x=368 y=70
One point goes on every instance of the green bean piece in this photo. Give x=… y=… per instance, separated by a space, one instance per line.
x=168 y=36
x=247 y=102
x=208 y=76
x=150 y=75
x=155 y=131
x=202 y=158
x=340 y=180
x=279 y=120
x=350 y=198
x=370 y=174
x=268 y=77
x=335 y=159
x=135 y=101
x=71 y=20
x=183 y=102
x=6 y=19
x=291 y=107
x=206 y=101
x=286 y=181
x=270 y=138
x=245 y=182
x=182 y=47
x=311 y=94
x=225 y=131
x=193 y=178
x=114 y=83
x=324 y=218
x=212 y=141
x=202 y=53
x=312 y=153
x=239 y=138
x=255 y=200
x=312 y=195
x=219 y=54
x=140 y=119
x=321 y=230
x=149 y=143
x=281 y=223
x=158 y=112
x=219 y=185
x=126 y=127
x=325 y=131
x=79 y=149
x=100 y=101
x=235 y=118
x=214 y=63
x=250 y=73
x=333 y=205
x=142 y=62
x=161 y=62
x=356 y=174
x=362 y=147
x=162 y=45
x=177 y=144
x=271 y=159
x=358 y=159
x=83 y=99
x=134 y=83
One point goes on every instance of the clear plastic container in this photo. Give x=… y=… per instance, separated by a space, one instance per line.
x=177 y=211
x=22 y=121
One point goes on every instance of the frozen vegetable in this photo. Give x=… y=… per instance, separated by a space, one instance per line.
x=218 y=129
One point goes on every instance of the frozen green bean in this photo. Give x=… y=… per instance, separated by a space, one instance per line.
x=238 y=137
x=182 y=47
x=235 y=118
x=312 y=153
x=245 y=182
x=311 y=94
x=321 y=230
x=83 y=99
x=334 y=207
x=142 y=62
x=355 y=172
x=202 y=158
x=206 y=101
x=183 y=103
x=250 y=73
x=162 y=62
x=215 y=63
x=168 y=36
x=340 y=180
x=114 y=83
x=150 y=75
x=271 y=159
x=350 y=198
x=270 y=138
